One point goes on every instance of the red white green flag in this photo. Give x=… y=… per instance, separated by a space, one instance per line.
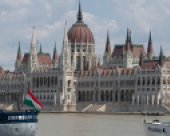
x=32 y=101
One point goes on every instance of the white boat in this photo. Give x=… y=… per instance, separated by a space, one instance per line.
x=21 y=123
x=157 y=128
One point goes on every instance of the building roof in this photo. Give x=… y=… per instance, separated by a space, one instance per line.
x=43 y=58
x=119 y=50
x=79 y=32
x=150 y=64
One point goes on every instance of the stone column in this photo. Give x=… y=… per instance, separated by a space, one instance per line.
x=138 y=99
x=153 y=99
x=55 y=99
x=147 y=99
x=158 y=98
x=133 y=99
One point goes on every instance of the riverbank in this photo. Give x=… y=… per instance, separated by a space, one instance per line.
x=108 y=113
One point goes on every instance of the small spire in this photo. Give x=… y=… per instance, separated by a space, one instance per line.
x=150 y=38
x=128 y=38
x=141 y=59
x=79 y=15
x=161 y=57
x=19 y=56
x=65 y=32
x=33 y=42
x=55 y=52
x=150 y=47
x=108 y=47
x=128 y=45
x=40 y=48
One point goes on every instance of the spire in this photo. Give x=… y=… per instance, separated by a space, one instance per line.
x=161 y=57
x=141 y=59
x=128 y=38
x=55 y=56
x=40 y=49
x=128 y=45
x=108 y=47
x=79 y=15
x=19 y=55
x=33 y=42
x=150 y=48
x=65 y=33
x=150 y=38
x=33 y=60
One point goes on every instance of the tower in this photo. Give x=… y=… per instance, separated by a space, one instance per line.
x=68 y=96
x=66 y=52
x=79 y=14
x=107 y=53
x=33 y=59
x=141 y=59
x=55 y=57
x=150 y=51
x=128 y=58
x=80 y=35
x=18 y=58
x=128 y=43
x=161 y=57
x=40 y=51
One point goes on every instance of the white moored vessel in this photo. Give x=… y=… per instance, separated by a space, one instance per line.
x=157 y=128
x=21 y=123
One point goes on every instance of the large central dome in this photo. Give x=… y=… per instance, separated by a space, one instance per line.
x=79 y=32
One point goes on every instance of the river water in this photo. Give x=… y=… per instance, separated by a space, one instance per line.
x=68 y=124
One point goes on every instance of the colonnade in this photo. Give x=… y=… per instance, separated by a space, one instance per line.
x=146 y=100
x=105 y=96
x=11 y=97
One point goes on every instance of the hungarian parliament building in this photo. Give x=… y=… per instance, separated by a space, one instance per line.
x=128 y=79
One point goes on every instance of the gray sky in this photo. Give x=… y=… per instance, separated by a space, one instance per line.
x=17 y=17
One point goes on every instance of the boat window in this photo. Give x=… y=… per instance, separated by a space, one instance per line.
x=156 y=120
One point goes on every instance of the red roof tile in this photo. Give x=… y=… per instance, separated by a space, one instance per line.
x=136 y=50
x=167 y=64
x=44 y=59
x=150 y=64
x=80 y=33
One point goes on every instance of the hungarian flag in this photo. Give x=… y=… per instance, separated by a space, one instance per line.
x=32 y=101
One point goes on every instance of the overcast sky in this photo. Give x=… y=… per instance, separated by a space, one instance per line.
x=17 y=17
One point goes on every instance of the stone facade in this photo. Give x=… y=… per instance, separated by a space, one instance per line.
x=128 y=80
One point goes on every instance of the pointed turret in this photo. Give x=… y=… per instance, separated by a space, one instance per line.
x=18 y=59
x=66 y=51
x=108 y=52
x=55 y=56
x=33 y=59
x=150 y=51
x=19 y=55
x=141 y=59
x=40 y=51
x=74 y=58
x=161 y=57
x=108 y=46
x=33 y=41
x=128 y=44
x=79 y=14
x=65 y=40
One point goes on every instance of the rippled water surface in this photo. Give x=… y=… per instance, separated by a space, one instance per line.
x=57 y=124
